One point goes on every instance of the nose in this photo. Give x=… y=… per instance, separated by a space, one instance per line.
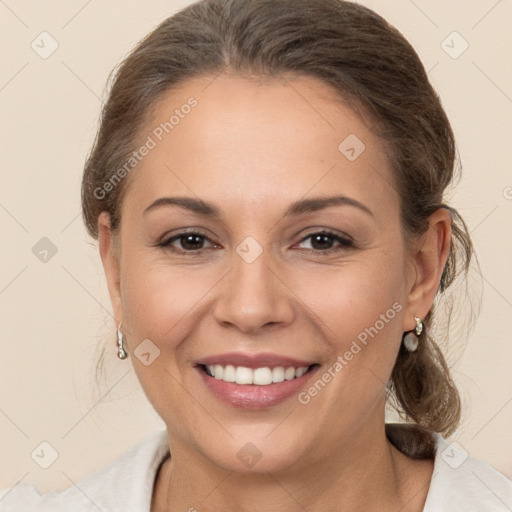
x=254 y=295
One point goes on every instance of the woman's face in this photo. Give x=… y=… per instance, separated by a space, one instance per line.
x=257 y=285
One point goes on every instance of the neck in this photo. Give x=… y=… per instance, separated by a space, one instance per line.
x=364 y=473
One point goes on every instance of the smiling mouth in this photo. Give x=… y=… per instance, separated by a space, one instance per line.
x=262 y=376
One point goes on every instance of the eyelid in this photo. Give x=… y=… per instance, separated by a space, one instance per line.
x=166 y=240
x=345 y=242
x=327 y=231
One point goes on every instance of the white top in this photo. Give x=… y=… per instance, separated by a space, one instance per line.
x=459 y=483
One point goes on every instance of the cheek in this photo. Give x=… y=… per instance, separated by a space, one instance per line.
x=351 y=299
x=359 y=310
x=158 y=304
x=359 y=313
x=156 y=295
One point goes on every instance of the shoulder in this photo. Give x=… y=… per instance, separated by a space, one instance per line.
x=459 y=481
x=126 y=485
x=463 y=482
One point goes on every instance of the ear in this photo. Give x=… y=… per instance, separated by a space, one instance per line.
x=110 y=261
x=428 y=259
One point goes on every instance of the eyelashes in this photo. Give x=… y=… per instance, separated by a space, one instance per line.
x=344 y=242
x=180 y=236
x=319 y=237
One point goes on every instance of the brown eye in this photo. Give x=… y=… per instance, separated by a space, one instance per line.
x=187 y=242
x=323 y=242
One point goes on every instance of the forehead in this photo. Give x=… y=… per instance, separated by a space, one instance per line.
x=250 y=143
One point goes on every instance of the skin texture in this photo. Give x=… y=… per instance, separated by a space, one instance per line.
x=252 y=147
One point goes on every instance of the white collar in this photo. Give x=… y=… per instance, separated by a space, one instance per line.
x=459 y=482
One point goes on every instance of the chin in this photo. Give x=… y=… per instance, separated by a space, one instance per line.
x=252 y=455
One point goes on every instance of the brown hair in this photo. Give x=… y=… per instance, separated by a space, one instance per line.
x=372 y=67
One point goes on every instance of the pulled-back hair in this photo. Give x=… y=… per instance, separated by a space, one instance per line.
x=373 y=68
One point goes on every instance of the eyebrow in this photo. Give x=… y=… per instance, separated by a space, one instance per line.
x=298 y=208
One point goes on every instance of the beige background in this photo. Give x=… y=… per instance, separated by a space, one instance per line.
x=56 y=314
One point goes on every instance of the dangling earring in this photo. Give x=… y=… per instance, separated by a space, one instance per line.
x=411 y=339
x=121 y=352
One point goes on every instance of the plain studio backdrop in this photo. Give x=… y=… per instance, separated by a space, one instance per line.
x=54 y=301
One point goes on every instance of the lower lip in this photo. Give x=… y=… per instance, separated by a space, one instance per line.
x=252 y=396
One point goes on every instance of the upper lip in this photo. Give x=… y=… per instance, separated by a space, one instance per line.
x=254 y=360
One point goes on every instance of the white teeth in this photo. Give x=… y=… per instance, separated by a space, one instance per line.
x=278 y=374
x=289 y=374
x=229 y=373
x=218 y=371
x=244 y=375
x=259 y=376
x=262 y=376
x=299 y=372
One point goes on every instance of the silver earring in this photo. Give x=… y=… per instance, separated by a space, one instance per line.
x=121 y=352
x=411 y=339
